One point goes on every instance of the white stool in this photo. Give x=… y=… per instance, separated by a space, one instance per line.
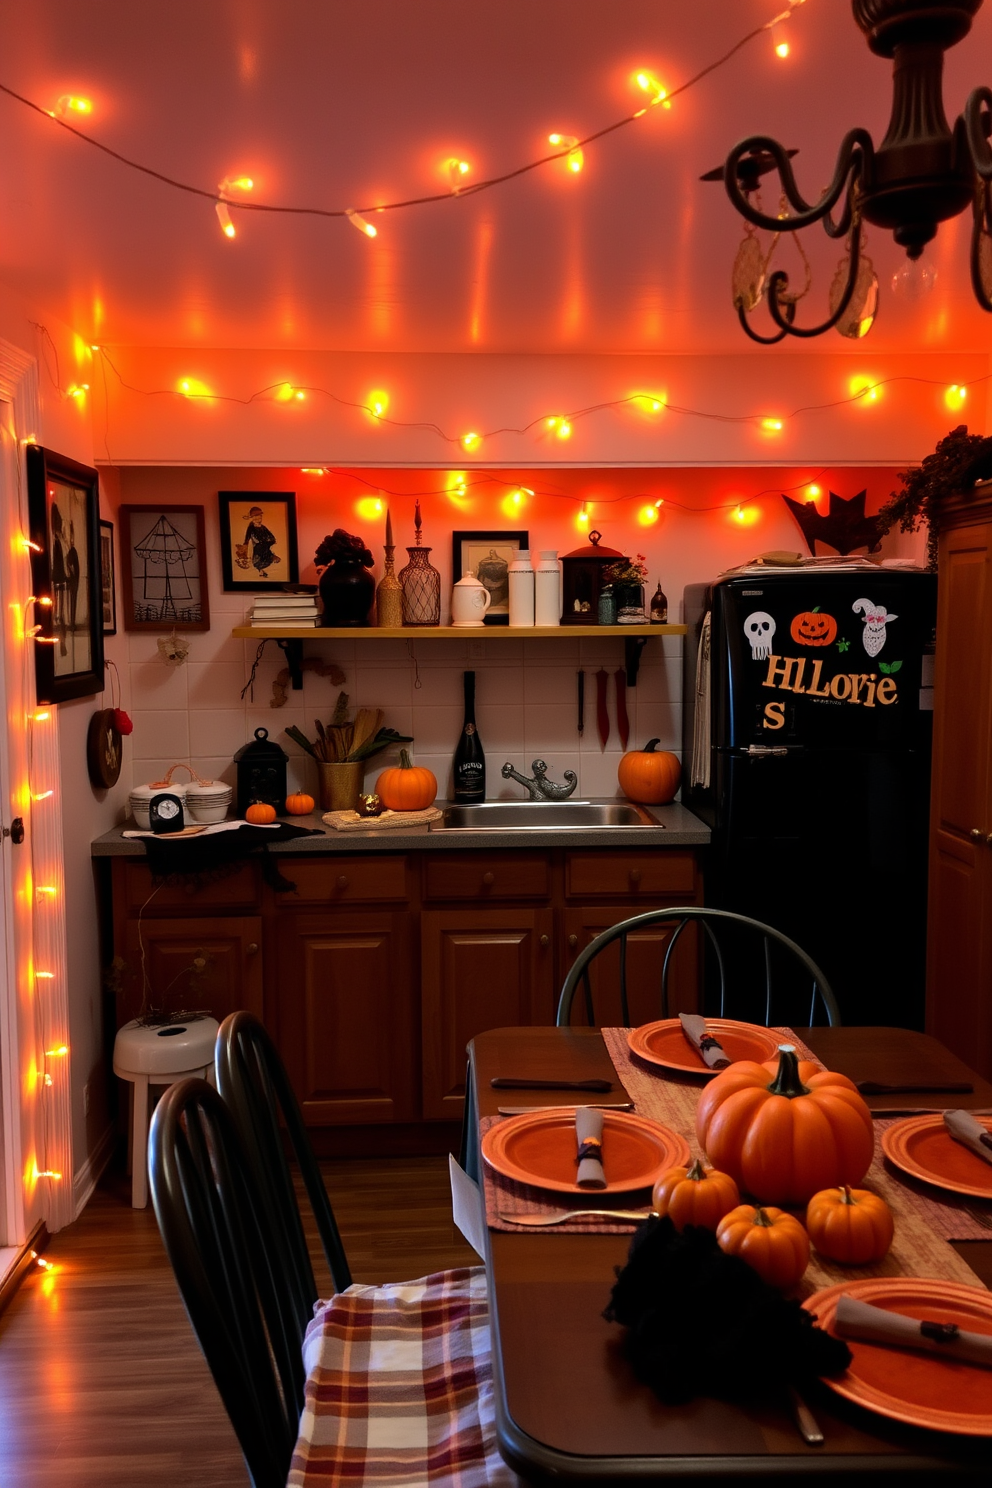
x=158 y=1056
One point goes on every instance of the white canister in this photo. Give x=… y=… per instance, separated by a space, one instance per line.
x=521 y=580
x=469 y=601
x=547 y=589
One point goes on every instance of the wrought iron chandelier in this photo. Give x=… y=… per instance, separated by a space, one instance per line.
x=923 y=173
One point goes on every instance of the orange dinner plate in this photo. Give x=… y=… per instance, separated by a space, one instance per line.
x=923 y=1147
x=663 y=1043
x=540 y=1148
x=921 y=1389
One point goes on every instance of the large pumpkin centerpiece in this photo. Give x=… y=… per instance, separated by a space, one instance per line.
x=784 y=1130
x=406 y=787
x=649 y=775
x=813 y=628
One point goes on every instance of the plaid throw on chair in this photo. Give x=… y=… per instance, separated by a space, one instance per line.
x=399 y=1388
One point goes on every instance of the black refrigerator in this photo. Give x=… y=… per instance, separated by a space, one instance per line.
x=807 y=731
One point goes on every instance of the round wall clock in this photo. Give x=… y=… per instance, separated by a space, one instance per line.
x=104 y=749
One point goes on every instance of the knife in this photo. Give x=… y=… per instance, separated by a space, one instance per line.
x=582 y=700
x=602 y=713
x=621 y=1105
x=507 y=1082
x=879 y=1087
x=623 y=725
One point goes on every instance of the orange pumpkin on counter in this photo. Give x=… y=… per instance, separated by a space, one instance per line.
x=649 y=775
x=772 y=1242
x=406 y=787
x=695 y=1196
x=784 y=1131
x=299 y=804
x=259 y=813
x=850 y=1225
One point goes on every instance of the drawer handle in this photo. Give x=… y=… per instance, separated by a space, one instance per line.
x=545 y=942
x=252 y=948
x=976 y=834
x=573 y=941
x=488 y=879
x=342 y=880
x=635 y=875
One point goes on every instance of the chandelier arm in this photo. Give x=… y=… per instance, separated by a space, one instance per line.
x=842 y=226
x=746 y=327
x=975 y=122
x=780 y=280
x=856 y=149
x=981 y=222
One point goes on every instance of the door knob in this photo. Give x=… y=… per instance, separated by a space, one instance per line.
x=545 y=942
x=976 y=834
x=573 y=941
x=251 y=948
x=989 y=839
x=488 y=878
x=635 y=875
x=342 y=881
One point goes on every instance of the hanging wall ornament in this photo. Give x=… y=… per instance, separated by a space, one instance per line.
x=104 y=749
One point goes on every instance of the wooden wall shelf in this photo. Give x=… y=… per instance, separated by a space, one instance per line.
x=290 y=638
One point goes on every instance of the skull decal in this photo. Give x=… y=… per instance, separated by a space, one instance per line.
x=875 y=617
x=759 y=627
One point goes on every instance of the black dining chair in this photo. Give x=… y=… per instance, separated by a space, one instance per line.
x=750 y=970
x=217 y=1232
x=252 y=1079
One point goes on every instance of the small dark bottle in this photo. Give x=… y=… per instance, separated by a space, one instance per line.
x=659 y=607
x=470 y=761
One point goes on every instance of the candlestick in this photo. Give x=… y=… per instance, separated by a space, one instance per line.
x=389 y=595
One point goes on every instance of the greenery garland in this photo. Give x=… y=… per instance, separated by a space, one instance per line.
x=958 y=461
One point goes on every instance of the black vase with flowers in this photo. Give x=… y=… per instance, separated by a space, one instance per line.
x=347 y=589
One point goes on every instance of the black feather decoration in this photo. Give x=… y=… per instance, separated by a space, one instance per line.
x=700 y=1322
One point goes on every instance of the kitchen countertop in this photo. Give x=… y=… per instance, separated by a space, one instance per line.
x=677 y=828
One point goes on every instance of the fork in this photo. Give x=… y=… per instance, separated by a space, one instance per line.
x=559 y=1216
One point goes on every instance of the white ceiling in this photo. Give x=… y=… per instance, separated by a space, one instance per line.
x=337 y=103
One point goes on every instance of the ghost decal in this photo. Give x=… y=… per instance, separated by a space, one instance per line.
x=875 y=617
x=759 y=627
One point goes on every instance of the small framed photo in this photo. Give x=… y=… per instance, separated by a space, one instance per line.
x=487 y=557
x=64 y=517
x=258 y=540
x=163 y=568
x=108 y=578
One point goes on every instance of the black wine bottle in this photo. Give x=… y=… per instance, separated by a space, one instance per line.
x=470 y=761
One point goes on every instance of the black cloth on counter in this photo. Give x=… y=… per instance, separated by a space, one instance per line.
x=700 y=1322
x=204 y=858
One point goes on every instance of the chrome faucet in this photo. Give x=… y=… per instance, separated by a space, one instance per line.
x=540 y=788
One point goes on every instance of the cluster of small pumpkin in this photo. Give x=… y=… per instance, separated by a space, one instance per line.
x=405 y=787
x=802 y=1138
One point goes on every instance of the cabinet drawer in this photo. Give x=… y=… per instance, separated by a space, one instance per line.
x=371 y=880
x=481 y=875
x=598 y=875
x=236 y=890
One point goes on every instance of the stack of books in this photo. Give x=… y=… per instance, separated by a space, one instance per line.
x=286 y=609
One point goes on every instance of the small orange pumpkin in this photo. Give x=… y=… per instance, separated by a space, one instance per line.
x=406 y=787
x=850 y=1225
x=813 y=628
x=785 y=1129
x=771 y=1241
x=649 y=775
x=695 y=1196
x=299 y=804
x=260 y=812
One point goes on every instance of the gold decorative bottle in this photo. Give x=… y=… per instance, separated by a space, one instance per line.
x=389 y=595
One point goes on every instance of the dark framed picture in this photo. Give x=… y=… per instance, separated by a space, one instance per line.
x=258 y=540
x=108 y=578
x=64 y=515
x=487 y=556
x=163 y=568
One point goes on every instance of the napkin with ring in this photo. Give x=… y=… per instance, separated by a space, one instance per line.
x=854 y=1319
x=709 y=1049
x=970 y=1133
x=589 y=1142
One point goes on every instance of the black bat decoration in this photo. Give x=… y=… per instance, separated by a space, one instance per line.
x=845 y=527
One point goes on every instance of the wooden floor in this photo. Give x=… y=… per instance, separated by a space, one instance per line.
x=101 y=1379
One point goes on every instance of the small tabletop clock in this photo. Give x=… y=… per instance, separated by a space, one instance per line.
x=165 y=814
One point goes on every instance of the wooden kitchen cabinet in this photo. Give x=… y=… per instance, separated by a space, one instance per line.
x=482 y=968
x=211 y=963
x=959 y=929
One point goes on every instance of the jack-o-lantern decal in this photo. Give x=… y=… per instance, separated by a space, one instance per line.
x=813 y=628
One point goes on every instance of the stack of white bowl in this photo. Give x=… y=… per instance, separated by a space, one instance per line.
x=208 y=800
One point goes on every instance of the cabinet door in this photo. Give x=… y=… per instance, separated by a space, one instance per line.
x=345 y=1015
x=213 y=965
x=482 y=968
x=645 y=958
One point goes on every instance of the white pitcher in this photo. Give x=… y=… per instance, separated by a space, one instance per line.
x=469 y=601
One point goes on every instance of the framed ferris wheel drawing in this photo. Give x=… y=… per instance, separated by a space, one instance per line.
x=163 y=568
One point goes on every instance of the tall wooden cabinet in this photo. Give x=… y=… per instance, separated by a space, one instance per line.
x=959 y=949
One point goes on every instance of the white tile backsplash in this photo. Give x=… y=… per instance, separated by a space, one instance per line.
x=526 y=699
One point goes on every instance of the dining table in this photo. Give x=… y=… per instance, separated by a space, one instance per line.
x=569 y=1406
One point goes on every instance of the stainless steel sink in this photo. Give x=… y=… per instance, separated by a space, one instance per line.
x=543 y=816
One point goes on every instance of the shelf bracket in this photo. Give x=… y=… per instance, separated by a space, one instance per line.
x=293 y=651
x=632 y=648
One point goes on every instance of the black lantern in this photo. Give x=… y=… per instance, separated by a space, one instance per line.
x=583 y=580
x=261 y=773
